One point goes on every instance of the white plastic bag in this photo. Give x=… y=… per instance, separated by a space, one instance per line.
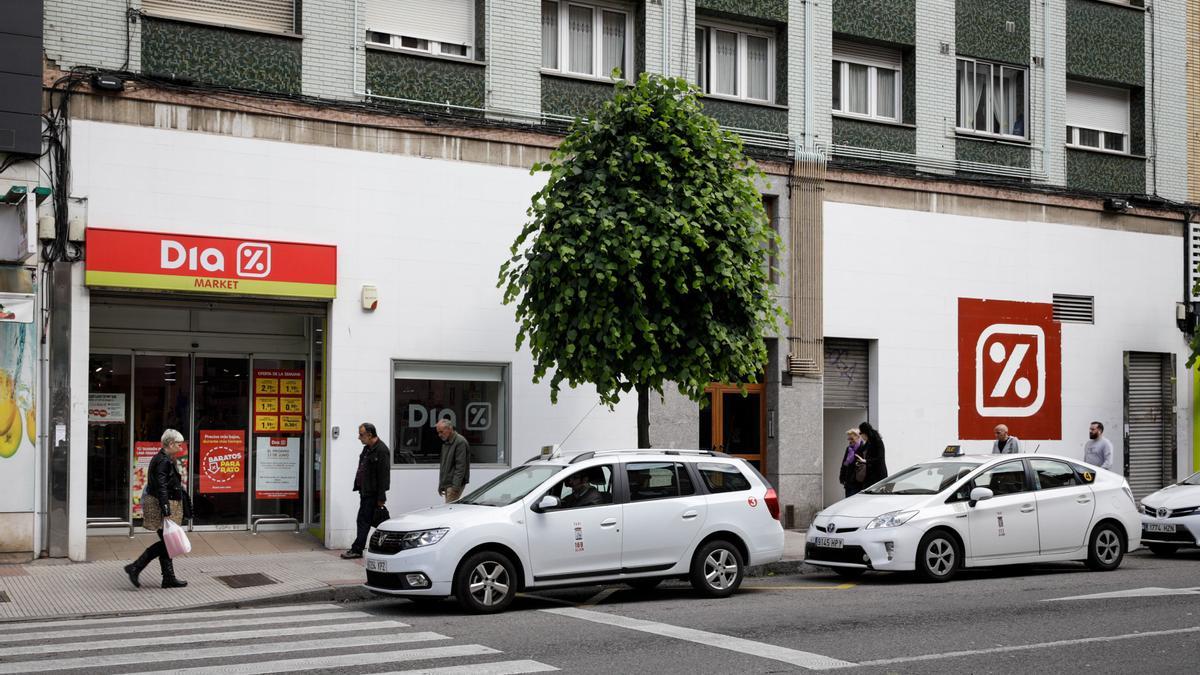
x=176 y=539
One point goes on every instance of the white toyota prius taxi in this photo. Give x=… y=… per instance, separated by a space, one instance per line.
x=631 y=516
x=1171 y=517
x=979 y=511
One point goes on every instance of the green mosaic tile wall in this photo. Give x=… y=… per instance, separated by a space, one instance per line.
x=988 y=152
x=908 y=89
x=480 y=30
x=767 y=10
x=221 y=56
x=981 y=30
x=1106 y=42
x=1106 y=173
x=747 y=115
x=577 y=98
x=893 y=21
x=862 y=134
x=1137 y=121
x=425 y=79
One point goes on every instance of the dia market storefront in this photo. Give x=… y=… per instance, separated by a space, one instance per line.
x=224 y=340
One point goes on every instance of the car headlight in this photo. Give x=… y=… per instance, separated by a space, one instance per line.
x=418 y=538
x=891 y=519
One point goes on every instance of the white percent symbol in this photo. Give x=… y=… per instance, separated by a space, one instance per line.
x=1013 y=361
x=254 y=259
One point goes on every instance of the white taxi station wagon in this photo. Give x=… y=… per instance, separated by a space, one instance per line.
x=979 y=511
x=563 y=519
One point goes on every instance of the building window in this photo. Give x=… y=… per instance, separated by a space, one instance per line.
x=866 y=81
x=444 y=28
x=735 y=62
x=275 y=16
x=474 y=398
x=1097 y=117
x=586 y=39
x=992 y=99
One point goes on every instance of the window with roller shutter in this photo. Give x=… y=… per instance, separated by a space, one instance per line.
x=275 y=16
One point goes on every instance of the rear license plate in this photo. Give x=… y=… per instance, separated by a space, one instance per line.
x=1159 y=527
x=376 y=566
x=827 y=542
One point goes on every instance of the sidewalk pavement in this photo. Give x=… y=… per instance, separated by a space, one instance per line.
x=296 y=566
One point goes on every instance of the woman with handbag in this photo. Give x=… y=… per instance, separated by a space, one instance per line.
x=164 y=498
x=851 y=476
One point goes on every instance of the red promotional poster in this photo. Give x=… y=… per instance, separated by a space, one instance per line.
x=222 y=461
x=1009 y=369
x=143 y=452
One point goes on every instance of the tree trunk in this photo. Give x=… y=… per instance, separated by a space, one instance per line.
x=643 y=417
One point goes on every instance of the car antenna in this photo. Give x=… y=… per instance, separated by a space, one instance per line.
x=1039 y=445
x=581 y=419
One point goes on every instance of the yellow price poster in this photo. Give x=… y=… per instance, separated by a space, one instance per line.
x=265 y=404
x=291 y=423
x=266 y=423
x=291 y=387
x=291 y=405
x=266 y=385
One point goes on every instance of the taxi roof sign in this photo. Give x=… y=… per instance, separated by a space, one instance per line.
x=952 y=451
x=549 y=451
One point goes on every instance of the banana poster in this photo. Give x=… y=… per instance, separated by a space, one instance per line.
x=18 y=400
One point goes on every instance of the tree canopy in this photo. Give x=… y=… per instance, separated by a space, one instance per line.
x=645 y=257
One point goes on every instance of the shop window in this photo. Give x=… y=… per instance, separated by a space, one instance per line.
x=474 y=398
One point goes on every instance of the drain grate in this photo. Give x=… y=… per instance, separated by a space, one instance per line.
x=4 y=597
x=246 y=580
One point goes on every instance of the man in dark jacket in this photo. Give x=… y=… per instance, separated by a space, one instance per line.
x=456 y=462
x=371 y=482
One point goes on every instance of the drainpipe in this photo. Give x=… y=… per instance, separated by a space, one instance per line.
x=1046 y=86
x=666 y=60
x=808 y=76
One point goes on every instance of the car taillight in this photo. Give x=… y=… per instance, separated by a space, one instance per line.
x=772 y=500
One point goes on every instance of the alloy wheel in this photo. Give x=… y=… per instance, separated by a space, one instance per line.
x=939 y=556
x=1108 y=547
x=489 y=583
x=720 y=569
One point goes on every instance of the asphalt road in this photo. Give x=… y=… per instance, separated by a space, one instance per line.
x=1008 y=620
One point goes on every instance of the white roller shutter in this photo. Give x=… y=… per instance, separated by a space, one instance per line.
x=1150 y=422
x=847 y=374
x=449 y=21
x=869 y=55
x=277 y=16
x=1091 y=106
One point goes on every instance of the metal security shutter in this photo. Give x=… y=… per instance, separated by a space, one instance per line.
x=847 y=374
x=449 y=21
x=1094 y=107
x=278 y=16
x=1150 y=421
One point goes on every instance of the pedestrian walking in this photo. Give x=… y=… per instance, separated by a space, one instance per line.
x=1005 y=444
x=853 y=465
x=874 y=453
x=164 y=498
x=455 y=472
x=372 y=480
x=1098 y=450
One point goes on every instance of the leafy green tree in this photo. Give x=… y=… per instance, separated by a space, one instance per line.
x=644 y=260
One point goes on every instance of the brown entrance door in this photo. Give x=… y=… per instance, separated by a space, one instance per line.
x=735 y=423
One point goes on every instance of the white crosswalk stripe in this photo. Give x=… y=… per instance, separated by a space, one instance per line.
x=312 y=637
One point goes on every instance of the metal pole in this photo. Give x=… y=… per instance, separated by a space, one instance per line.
x=58 y=497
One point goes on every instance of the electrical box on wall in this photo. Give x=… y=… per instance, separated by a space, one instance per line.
x=18 y=229
x=370 y=297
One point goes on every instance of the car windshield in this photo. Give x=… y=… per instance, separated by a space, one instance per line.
x=511 y=486
x=1193 y=479
x=923 y=479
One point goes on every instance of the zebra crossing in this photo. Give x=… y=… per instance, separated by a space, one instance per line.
x=285 y=639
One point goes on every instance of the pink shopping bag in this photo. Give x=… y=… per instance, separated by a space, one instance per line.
x=176 y=539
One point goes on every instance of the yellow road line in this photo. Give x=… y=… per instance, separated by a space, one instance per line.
x=839 y=587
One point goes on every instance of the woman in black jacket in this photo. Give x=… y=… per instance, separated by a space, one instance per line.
x=875 y=454
x=164 y=498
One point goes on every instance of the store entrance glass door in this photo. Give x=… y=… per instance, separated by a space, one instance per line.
x=219 y=463
x=281 y=395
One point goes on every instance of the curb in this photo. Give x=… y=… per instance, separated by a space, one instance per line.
x=781 y=568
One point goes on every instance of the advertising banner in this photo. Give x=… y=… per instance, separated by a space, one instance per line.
x=18 y=405
x=277 y=467
x=278 y=401
x=143 y=452
x=224 y=265
x=222 y=461
x=105 y=408
x=16 y=307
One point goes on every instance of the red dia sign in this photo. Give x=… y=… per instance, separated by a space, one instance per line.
x=1009 y=369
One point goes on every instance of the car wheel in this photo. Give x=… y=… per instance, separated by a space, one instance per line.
x=644 y=584
x=849 y=572
x=717 y=569
x=1163 y=549
x=938 y=556
x=1106 y=548
x=486 y=583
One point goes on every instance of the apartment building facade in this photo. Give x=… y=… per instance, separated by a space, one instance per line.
x=293 y=215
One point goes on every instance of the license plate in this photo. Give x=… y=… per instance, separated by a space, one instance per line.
x=376 y=566
x=827 y=542
x=1159 y=527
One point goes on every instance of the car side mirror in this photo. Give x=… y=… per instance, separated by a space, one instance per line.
x=979 y=494
x=545 y=504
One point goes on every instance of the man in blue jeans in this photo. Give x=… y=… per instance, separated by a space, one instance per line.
x=371 y=482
